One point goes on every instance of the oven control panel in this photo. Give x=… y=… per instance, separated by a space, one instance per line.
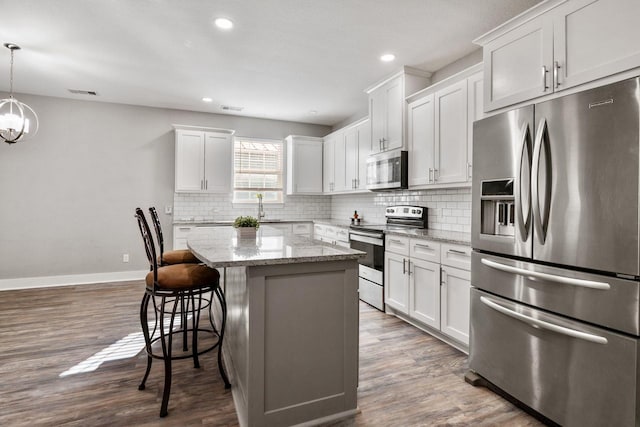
x=405 y=212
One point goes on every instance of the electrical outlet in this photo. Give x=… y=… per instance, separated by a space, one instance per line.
x=125 y=257
x=168 y=210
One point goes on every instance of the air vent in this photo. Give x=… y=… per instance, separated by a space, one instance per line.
x=231 y=108
x=83 y=92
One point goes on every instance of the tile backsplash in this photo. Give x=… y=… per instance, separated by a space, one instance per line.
x=449 y=209
x=219 y=207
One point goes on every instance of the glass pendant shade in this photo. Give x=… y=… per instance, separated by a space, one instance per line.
x=17 y=119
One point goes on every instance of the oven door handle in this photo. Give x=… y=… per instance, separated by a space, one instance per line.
x=374 y=239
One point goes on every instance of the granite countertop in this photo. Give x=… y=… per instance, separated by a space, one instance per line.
x=219 y=247
x=456 y=237
x=209 y=221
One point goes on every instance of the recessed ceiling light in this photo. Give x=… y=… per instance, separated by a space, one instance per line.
x=224 y=23
x=387 y=57
x=313 y=112
x=205 y=99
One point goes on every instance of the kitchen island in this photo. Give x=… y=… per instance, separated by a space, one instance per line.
x=291 y=339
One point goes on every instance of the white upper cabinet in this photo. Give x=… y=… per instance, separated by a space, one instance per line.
x=440 y=130
x=345 y=158
x=517 y=65
x=304 y=170
x=328 y=164
x=475 y=111
x=557 y=45
x=387 y=108
x=421 y=141
x=203 y=161
x=451 y=133
x=358 y=147
x=339 y=161
x=595 y=38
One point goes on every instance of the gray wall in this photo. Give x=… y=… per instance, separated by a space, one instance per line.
x=69 y=194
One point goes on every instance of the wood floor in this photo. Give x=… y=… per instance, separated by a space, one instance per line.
x=72 y=356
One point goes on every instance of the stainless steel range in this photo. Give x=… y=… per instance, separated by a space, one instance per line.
x=369 y=238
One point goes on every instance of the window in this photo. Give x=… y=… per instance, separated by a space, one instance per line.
x=257 y=169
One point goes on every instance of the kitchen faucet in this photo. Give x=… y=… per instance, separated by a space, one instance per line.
x=260 y=207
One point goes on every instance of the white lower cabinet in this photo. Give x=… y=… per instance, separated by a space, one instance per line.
x=338 y=236
x=429 y=282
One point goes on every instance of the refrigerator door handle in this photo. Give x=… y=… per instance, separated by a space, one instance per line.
x=543 y=324
x=546 y=276
x=540 y=221
x=524 y=215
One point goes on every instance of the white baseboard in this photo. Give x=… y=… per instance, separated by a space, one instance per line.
x=72 y=279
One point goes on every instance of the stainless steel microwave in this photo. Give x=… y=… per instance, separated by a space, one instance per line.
x=388 y=170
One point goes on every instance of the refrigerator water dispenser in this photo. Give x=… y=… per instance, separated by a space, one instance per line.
x=497 y=208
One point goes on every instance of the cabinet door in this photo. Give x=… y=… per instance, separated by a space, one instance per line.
x=396 y=282
x=424 y=288
x=517 y=65
x=420 y=141
x=455 y=295
x=339 y=163
x=475 y=111
x=304 y=175
x=364 y=149
x=377 y=118
x=451 y=133
x=595 y=38
x=189 y=161
x=218 y=161
x=394 y=114
x=327 y=164
x=351 y=157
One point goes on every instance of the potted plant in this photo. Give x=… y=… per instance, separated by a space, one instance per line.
x=246 y=226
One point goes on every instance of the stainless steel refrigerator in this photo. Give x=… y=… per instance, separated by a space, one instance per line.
x=555 y=270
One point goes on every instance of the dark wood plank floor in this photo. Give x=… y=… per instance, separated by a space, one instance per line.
x=407 y=378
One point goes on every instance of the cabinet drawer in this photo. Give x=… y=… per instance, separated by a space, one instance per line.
x=425 y=250
x=458 y=256
x=554 y=364
x=342 y=234
x=304 y=228
x=319 y=230
x=397 y=244
x=181 y=231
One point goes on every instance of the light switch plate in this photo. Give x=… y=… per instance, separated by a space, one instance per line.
x=168 y=210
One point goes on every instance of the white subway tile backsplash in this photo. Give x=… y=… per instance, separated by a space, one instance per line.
x=449 y=209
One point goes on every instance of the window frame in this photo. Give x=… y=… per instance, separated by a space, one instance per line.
x=254 y=201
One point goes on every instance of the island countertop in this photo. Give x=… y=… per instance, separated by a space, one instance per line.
x=220 y=247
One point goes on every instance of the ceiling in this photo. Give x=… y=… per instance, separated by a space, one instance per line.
x=282 y=59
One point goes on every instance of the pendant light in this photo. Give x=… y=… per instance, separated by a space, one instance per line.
x=17 y=119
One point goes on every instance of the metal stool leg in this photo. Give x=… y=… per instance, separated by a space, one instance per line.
x=166 y=340
x=144 y=322
x=223 y=305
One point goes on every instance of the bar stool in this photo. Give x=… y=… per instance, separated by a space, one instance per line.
x=177 y=291
x=178 y=256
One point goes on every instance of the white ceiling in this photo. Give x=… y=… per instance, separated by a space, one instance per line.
x=282 y=59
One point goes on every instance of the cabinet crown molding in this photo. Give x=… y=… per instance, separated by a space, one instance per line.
x=403 y=71
x=467 y=72
x=518 y=20
x=203 y=128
